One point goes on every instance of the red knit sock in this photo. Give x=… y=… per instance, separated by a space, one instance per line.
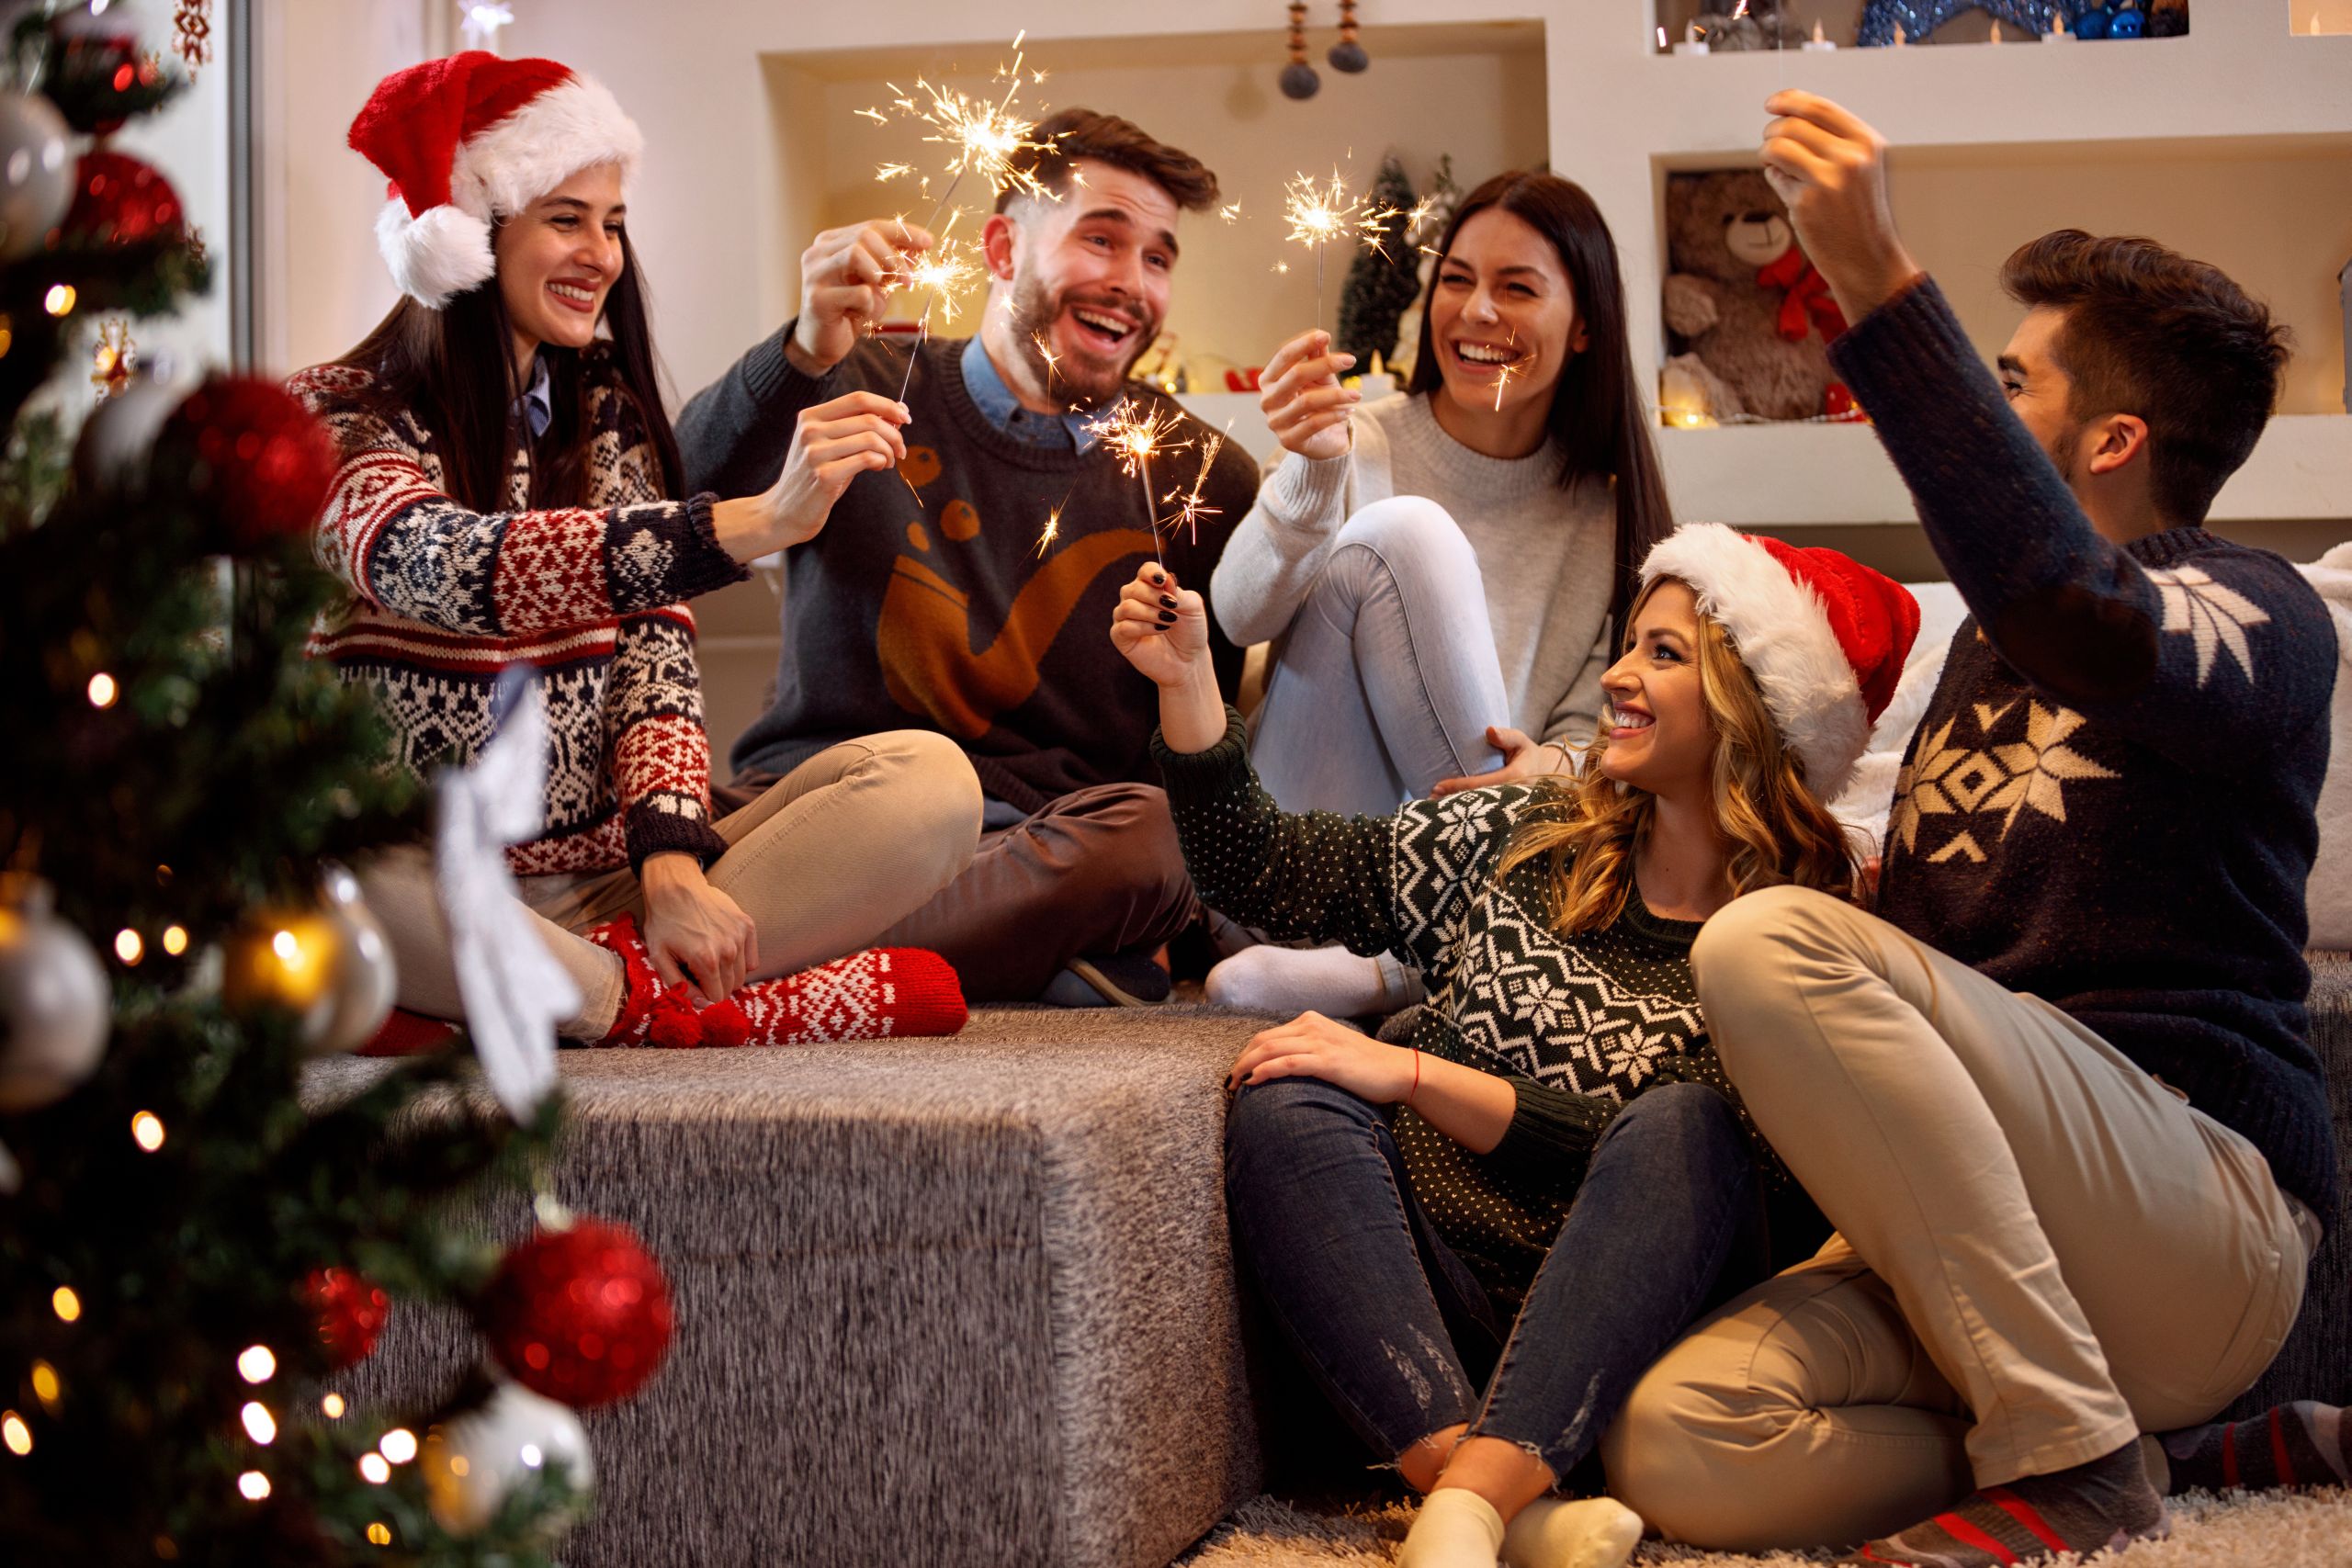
x=406 y=1034
x=881 y=993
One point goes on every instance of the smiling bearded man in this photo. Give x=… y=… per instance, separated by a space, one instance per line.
x=933 y=598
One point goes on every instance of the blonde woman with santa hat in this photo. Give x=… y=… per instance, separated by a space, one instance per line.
x=510 y=496
x=1477 y=1236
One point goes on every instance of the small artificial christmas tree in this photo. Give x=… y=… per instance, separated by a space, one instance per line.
x=1385 y=278
x=190 y=1257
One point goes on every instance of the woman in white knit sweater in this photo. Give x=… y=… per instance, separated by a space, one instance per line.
x=1441 y=571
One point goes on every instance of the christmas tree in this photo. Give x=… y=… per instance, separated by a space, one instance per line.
x=192 y=1258
x=1385 y=277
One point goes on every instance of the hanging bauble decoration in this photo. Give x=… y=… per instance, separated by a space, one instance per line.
x=580 y=1315
x=118 y=200
x=1348 y=55
x=367 y=982
x=475 y=1457
x=351 y=1311
x=54 y=1007
x=251 y=455
x=36 y=173
x=330 y=966
x=1298 y=78
x=117 y=441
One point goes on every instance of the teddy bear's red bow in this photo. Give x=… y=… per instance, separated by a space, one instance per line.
x=1807 y=303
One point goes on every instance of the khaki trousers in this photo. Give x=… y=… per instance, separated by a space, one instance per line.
x=2041 y=1251
x=824 y=861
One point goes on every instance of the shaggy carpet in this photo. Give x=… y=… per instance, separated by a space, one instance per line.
x=2243 y=1530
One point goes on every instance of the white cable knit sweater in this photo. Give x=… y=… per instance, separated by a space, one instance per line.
x=1544 y=552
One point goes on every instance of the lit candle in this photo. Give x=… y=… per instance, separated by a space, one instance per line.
x=2057 y=33
x=1901 y=38
x=1691 y=42
x=1819 y=40
x=1997 y=32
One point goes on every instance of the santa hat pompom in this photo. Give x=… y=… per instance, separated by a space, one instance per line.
x=435 y=256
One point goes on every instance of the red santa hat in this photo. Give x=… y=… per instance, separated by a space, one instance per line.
x=471 y=138
x=1825 y=635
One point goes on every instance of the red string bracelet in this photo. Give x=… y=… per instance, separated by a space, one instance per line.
x=1417 y=1074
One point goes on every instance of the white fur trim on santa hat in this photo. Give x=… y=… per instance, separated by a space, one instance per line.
x=437 y=255
x=1785 y=639
x=504 y=168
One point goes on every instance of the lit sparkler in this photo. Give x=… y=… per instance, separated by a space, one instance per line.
x=1190 y=511
x=943 y=275
x=1318 y=214
x=1505 y=371
x=1135 y=436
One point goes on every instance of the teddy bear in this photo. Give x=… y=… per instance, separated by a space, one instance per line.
x=1750 y=318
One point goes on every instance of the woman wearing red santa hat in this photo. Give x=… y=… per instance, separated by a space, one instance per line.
x=1477 y=1236
x=509 y=495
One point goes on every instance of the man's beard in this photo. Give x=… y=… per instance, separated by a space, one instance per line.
x=2062 y=450
x=1084 y=381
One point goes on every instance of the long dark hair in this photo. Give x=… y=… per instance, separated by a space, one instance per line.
x=453 y=369
x=1599 y=422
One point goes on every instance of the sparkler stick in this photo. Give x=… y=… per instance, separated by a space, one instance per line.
x=1505 y=369
x=1135 y=436
x=1317 y=214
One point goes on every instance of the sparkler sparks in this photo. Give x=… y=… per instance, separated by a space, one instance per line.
x=1190 y=513
x=1318 y=214
x=1135 y=436
x=1505 y=371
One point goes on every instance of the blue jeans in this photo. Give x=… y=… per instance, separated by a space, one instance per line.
x=1387 y=677
x=1392 y=1323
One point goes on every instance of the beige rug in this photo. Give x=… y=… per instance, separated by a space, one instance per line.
x=2263 y=1530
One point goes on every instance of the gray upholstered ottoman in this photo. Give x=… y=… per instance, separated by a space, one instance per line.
x=961 y=1301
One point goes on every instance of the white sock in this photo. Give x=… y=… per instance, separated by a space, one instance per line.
x=1455 y=1528
x=1328 y=980
x=1586 y=1532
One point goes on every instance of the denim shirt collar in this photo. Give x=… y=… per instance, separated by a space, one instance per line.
x=536 y=406
x=1001 y=408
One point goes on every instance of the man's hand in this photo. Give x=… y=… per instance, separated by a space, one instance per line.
x=694 y=931
x=1305 y=406
x=1313 y=1046
x=1523 y=759
x=1830 y=169
x=845 y=275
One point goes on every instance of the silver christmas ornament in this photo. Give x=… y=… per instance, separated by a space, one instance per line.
x=55 y=1005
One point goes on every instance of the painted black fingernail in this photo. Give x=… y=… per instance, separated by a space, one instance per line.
x=1165 y=599
x=1167 y=617
x=1158 y=581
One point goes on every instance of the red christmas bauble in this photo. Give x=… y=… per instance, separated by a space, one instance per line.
x=580 y=1315
x=118 y=200
x=251 y=455
x=352 y=1312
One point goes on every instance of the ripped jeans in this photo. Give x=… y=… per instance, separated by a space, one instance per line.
x=1386 y=1316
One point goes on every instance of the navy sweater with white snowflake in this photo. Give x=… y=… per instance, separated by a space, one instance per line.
x=1576 y=1025
x=2110 y=804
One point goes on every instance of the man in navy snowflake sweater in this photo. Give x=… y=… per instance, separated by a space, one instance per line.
x=2055 y=1096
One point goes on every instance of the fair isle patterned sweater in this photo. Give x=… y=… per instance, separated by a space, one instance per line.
x=1577 y=1026
x=441 y=599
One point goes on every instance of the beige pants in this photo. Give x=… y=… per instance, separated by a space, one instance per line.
x=824 y=861
x=2041 y=1250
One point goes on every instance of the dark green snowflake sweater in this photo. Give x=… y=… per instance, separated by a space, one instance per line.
x=1577 y=1026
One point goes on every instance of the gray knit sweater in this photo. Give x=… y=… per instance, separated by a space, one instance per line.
x=1544 y=552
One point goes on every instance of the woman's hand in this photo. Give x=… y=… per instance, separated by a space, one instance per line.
x=1161 y=629
x=695 y=932
x=1304 y=404
x=1313 y=1046
x=832 y=445
x=1523 y=759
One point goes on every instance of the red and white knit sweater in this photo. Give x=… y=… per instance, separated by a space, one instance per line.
x=442 y=599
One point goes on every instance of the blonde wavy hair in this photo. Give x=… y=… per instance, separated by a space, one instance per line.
x=1775 y=829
